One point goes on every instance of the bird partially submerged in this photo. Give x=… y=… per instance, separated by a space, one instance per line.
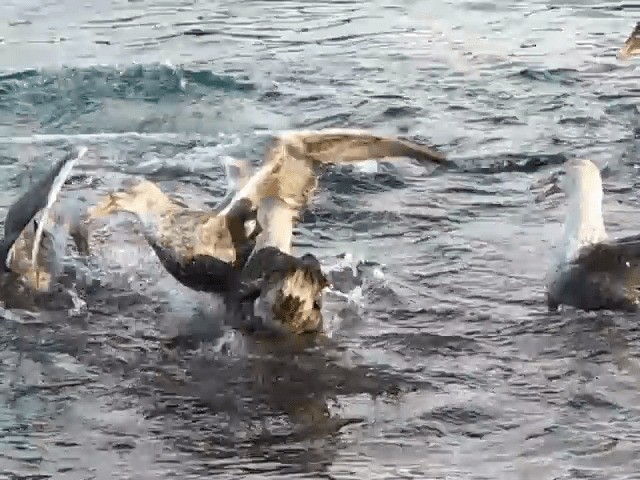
x=631 y=45
x=284 y=291
x=294 y=161
x=30 y=249
x=208 y=251
x=592 y=272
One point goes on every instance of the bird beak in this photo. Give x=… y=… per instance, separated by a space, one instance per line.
x=104 y=208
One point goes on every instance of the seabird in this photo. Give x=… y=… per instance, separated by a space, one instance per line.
x=208 y=251
x=284 y=291
x=194 y=245
x=201 y=249
x=29 y=249
x=592 y=271
x=631 y=46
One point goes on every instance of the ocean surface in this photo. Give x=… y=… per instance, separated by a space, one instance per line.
x=442 y=361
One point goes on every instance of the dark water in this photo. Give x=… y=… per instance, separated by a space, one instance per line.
x=443 y=362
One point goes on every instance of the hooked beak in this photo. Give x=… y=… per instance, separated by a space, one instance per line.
x=106 y=207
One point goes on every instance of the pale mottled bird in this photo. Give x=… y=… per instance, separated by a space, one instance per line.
x=201 y=249
x=631 y=46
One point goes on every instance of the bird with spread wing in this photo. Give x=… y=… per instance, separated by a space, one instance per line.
x=216 y=251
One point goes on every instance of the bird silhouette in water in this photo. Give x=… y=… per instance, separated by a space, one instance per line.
x=218 y=251
x=30 y=249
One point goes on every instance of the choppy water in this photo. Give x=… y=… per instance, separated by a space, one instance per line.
x=447 y=367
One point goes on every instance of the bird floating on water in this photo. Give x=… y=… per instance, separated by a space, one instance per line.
x=592 y=271
x=631 y=46
x=208 y=250
x=29 y=250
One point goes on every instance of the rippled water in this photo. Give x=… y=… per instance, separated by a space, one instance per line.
x=447 y=365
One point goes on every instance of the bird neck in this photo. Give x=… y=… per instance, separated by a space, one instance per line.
x=583 y=224
x=277 y=230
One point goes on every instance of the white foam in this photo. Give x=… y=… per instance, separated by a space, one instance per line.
x=93 y=137
x=368 y=166
x=336 y=301
x=79 y=305
x=378 y=273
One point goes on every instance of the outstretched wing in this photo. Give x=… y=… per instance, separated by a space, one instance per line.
x=631 y=46
x=41 y=195
x=291 y=163
x=349 y=145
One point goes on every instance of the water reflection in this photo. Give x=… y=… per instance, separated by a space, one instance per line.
x=274 y=400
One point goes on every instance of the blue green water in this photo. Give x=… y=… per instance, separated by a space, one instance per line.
x=447 y=367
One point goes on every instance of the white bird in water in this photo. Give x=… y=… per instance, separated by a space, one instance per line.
x=592 y=271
